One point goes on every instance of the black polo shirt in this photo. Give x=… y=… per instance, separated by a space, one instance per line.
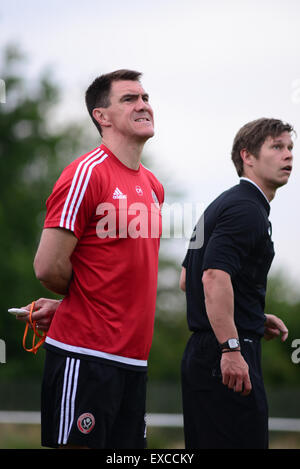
x=237 y=240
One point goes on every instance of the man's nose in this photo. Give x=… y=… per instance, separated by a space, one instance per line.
x=140 y=104
x=288 y=154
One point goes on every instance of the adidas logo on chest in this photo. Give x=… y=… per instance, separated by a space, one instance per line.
x=118 y=194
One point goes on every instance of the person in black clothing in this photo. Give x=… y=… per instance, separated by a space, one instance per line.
x=224 y=276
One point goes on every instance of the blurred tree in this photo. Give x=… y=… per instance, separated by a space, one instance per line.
x=170 y=332
x=31 y=158
x=283 y=300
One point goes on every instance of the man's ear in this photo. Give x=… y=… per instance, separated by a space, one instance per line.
x=247 y=157
x=101 y=117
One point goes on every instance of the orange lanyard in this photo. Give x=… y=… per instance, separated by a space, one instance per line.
x=42 y=337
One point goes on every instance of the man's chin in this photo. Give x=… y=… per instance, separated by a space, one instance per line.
x=146 y=135
x=282 y=182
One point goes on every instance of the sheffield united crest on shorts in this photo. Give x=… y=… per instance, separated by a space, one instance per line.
x=86 y=423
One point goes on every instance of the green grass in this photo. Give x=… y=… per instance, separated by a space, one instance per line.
x=14 y=436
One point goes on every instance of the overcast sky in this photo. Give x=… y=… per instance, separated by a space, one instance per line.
x=209 y=67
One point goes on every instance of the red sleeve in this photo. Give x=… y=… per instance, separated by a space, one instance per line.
x=71 y=205
x=159 y=191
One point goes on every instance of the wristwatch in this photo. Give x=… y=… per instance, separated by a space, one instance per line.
x=231 y=344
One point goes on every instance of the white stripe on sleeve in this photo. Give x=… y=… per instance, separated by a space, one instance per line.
x=78 y=186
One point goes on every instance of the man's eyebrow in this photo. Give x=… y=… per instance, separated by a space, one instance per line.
x=133 y=95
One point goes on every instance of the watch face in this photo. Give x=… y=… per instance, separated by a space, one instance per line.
x=233 y=343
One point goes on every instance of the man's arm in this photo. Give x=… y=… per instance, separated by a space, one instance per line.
x=219 y=302
x=182 y=279
x=52 y=264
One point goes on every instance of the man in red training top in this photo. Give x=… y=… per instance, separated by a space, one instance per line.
x=99 y=248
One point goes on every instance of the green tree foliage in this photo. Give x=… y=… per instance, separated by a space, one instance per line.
x=170 y=331
x=283 y=300
x=31 y=158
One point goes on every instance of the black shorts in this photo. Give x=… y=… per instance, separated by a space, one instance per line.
x=92 y=404
x=214 y=415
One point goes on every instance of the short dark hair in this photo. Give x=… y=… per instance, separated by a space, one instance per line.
x=251 y=137
x=97 y=94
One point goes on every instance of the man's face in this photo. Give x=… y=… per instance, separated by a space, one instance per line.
x=274 y=163
x=129 y=112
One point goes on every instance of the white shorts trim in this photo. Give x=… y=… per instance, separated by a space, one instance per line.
x=95 y=353
x=67 y=408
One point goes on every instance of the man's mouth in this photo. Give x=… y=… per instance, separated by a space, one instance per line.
x=142 y=119
x=287 y=168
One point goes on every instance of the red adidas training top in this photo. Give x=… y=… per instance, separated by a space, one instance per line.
x=114 y=212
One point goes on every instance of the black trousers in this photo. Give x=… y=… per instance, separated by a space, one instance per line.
x=215 y=416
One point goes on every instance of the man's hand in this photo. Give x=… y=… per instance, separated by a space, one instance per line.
x=274 y=327
x=43 y=313
x=235 y=373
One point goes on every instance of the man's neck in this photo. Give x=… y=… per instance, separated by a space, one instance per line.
x=268 y=192
x=128 y=152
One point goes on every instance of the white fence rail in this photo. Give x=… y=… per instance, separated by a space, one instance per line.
x=153 y=420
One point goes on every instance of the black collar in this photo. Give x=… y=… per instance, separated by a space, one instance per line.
x=249 y=186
